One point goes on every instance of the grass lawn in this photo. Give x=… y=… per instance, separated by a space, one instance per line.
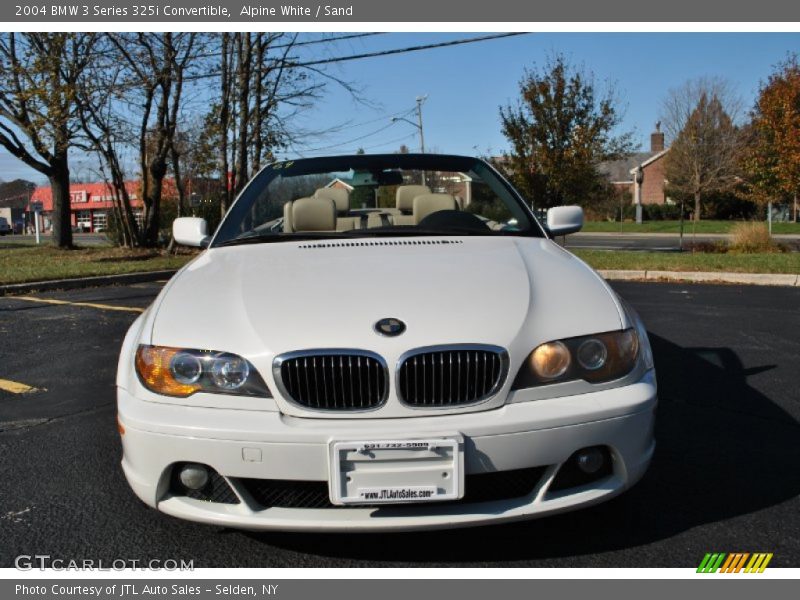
x=687 y=261
x=674 y=227
x=26 y=263
x=20 y=263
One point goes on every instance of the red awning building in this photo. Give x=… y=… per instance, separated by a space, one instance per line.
x=91 y=205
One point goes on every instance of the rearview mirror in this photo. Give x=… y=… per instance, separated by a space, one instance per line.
x=562 y=220
x=191 y=231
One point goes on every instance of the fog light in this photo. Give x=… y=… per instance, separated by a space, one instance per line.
x=194 y=476
x=590 y=460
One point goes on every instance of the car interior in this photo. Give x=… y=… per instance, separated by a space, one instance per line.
x=415 y=205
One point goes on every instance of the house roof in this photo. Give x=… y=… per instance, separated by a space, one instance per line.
x=619 y=171
x=340 y=182
x=652 y=159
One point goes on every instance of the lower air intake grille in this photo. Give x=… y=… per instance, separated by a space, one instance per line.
x=452 y=375
x=333 y=380
x=482 y=487
x=216 y=490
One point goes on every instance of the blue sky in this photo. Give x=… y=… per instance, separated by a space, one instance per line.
x=466 y=84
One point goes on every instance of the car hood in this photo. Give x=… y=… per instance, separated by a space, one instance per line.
x=265 y=299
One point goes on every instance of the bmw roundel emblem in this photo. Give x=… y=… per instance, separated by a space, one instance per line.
x=390 y=327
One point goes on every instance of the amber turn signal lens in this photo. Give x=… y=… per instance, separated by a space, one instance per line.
x=550 y=360
x=153 y=368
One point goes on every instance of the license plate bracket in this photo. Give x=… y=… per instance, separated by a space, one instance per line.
x=399 y=471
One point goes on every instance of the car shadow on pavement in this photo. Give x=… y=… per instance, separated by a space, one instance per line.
x=723 y=450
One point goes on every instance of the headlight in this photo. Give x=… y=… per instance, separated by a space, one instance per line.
x=181 y=372
x=594 y=358
x=641 y=332
x=550 y=361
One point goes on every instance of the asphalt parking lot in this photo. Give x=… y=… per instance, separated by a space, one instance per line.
x=725 y=478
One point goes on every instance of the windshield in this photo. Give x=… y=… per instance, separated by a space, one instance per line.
x=369 y=196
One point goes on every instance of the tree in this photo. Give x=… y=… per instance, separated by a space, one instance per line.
x=157 y=65
x=772 y=156
x=560 y=129
x=700 y=122
x=17 y=193
x=261 y=90
x=39 y=73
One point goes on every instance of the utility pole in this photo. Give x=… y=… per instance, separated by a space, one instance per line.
x=420 y=100
x=418 y=125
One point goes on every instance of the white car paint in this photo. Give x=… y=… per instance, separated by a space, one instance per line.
x=262 y=300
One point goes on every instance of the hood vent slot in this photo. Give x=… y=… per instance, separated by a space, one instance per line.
x=370 y=243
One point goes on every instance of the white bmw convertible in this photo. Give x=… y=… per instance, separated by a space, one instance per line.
x=388 y=342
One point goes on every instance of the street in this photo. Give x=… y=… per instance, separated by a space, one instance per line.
x=652 y=242
x=725 y=476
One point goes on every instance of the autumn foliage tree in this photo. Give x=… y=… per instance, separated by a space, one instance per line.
x=704 y=153
x=772 y=157
x=560 y=129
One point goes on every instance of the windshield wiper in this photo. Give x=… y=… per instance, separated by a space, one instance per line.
x=269 y=238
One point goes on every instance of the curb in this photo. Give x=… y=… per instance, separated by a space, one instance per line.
x=764 y=279
x=786 y=237
x=767 y=279
x=84 y=282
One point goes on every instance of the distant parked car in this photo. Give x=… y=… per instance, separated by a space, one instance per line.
x=355 y=352
x=5 y=228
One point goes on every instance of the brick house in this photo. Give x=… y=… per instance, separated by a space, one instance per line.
x=641 y=175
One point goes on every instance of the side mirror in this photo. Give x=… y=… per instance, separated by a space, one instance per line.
x=562 y=220
x=191 y=231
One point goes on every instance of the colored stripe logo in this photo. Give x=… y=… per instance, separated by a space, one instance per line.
x=737 y=562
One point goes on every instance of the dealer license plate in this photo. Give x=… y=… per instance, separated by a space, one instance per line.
x=397 y=471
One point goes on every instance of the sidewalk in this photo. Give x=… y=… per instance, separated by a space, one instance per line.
x=774 y=279
x=687 y=235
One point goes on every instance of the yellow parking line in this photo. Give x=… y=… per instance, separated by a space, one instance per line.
x=15 y=387
x=87 y=304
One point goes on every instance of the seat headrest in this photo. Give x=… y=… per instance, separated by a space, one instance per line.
x=426 y=204
x=404 y=200
x=287 y=217
x=314 y=214
x=340 y=196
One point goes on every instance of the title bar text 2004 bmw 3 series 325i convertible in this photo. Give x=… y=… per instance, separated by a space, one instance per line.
x=383 y=342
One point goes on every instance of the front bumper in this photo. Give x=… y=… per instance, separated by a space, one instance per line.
x=242 y=444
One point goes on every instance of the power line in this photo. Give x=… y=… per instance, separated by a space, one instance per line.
x=305 y=153
x=392 y=51
x=330 y=39
x=359 y=138
x=473 y=40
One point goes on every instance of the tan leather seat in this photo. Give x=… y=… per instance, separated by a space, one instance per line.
x=404 y=198
x=404 y=203
x=426 y=204
x=313 y=214
x=287 y=217
x=340 y=197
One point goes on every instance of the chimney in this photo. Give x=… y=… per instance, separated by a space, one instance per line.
x=657 y=139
